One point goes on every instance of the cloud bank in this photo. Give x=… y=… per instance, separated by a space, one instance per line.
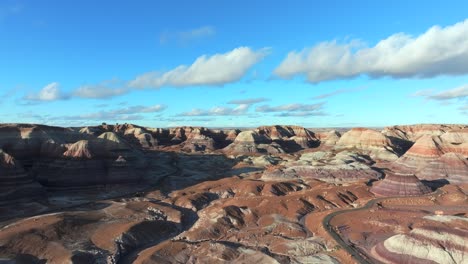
x=438 y=51
x=215 y=70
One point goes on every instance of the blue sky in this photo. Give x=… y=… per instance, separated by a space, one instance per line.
x=234 y=63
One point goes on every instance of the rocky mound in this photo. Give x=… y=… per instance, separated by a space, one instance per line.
x=342 y=167
x=90 y=236
x=452 y=167
x=436 y=158
x=141 y=136
x=198 y=139
x=329 y=138
x=25 y=142
x=253 y=142
x=94 y=131
x=370 y=142
x=398 y=184
x=425 y=150
x=456 y=141
x=195 y=138
x=292 y=137
x=427 y=244
x=414 y=132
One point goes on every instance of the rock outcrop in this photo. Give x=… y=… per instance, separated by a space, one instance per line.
x=198 y=139
x=26 y=142
x=452 y=167
x=398 y=184
x=104 y=160
x=291 y=137
x=414 y=132
x=426 y=244
x=342 y=167
x=370 y=142
x=253 y=142
x=15 y=182
x=329 y=138
x=436 y=158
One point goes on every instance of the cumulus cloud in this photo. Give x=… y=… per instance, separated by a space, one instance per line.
x=460 y=92
x=215 y=70
x=102 y=90
x=438 y=51
x=290 y=108
x=248 y=101
x=50 y=92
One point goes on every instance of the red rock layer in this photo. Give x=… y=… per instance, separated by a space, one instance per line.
x=368 y=141
x=363 y=138
x=301 y=136
x=252 y=142
x=452 y=167
x=414 y=132
x=397 y=184
x=436 y=158
x=331 y=175
x=426 y=244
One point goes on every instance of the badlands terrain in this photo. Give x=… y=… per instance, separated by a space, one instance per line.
x=272 y=194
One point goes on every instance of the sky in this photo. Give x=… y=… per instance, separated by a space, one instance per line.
x=233 y=63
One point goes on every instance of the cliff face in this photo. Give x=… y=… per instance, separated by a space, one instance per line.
x=15 y=182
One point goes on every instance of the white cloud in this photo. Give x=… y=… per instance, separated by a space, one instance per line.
x=50 y=92
x=248 y=101
x=243 y=106
x=455 y=93
x=215 y=70
x=459 y=92
x=218 y=69
x=98 y=91
x=290 y=108
x=438 y=51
